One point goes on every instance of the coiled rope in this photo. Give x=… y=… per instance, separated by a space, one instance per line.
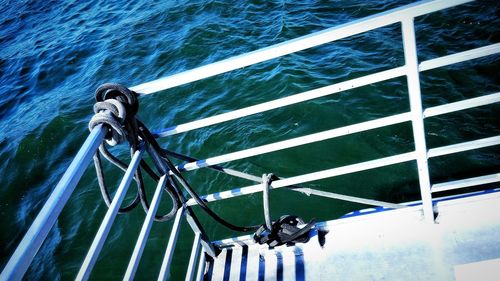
x=116 y=108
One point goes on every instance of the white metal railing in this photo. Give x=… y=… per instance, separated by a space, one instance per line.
x=146 y=227
x=299 y=44
x=172 y=240
x=36 y=234
x=338 y=132
x=22 y=257
x=110 y=216
x=381 y=162
x=466 y=182
x=329 y=90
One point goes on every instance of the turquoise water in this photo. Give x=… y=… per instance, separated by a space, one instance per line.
x=53 y=55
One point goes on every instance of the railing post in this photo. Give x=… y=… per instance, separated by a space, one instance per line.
x=172 y=241
x=33 y=239
x=413 y=80
x=195 y=224
x=190 y=216
x=146 y=227
x=107 y=222
x=194 y=255
x=201 y=266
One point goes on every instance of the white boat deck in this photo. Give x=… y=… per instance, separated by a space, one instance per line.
x=390 y=245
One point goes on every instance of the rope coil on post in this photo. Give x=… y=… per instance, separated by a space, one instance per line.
x=115 y=108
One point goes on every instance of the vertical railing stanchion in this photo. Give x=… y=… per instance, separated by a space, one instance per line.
x=146 y=227
x=109 y=218
x=413 y=80
x=201 y=266
x=33 y=239
x=194 y=255
x=172 y=240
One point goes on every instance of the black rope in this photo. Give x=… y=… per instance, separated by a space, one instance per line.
x=116 y=108
x=104 y=189
x=118 y=163
x=146 y=134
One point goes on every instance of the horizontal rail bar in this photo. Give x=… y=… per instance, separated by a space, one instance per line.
x=391 y=160
x=400 y=158
x=146 y=227
x=360 y=127
x=306 y=191
x=461 y=105
x=465 y=183
x=110 y=216
x=350 y=129
x=294 y=99
x=328 y=90
x=460 y=57
x=298 y=44
x=351 y=169
x=365 y=201
x=464 y=146
x=194 y=255
x=36 y=234
x=172 y=240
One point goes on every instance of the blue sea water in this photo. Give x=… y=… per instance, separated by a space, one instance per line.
x=54 y=54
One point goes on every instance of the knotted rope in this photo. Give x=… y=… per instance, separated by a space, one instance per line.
x=115 y=109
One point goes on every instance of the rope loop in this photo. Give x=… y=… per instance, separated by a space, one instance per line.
x=114 y=106
x=267 y=179
x=115 y=103
x=116 y=133
x=118 y=92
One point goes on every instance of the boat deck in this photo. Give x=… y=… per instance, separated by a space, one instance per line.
x=389 y=245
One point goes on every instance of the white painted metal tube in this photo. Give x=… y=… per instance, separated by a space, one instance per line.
x=461 y=105
x=36 y=234
x=413 y=80
x=464 y=146
x=309 y=191
x=460 y=57
x=360 y=127
x=194 y=255
x=350 y=169
x=386 y=121
x=391 y=160
x=298 y=44
x=110 y=216
x=294 y=99
x=466 y=182
x=329 y=90
x=172 y=240
x=146 y=227
x=201 y=267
